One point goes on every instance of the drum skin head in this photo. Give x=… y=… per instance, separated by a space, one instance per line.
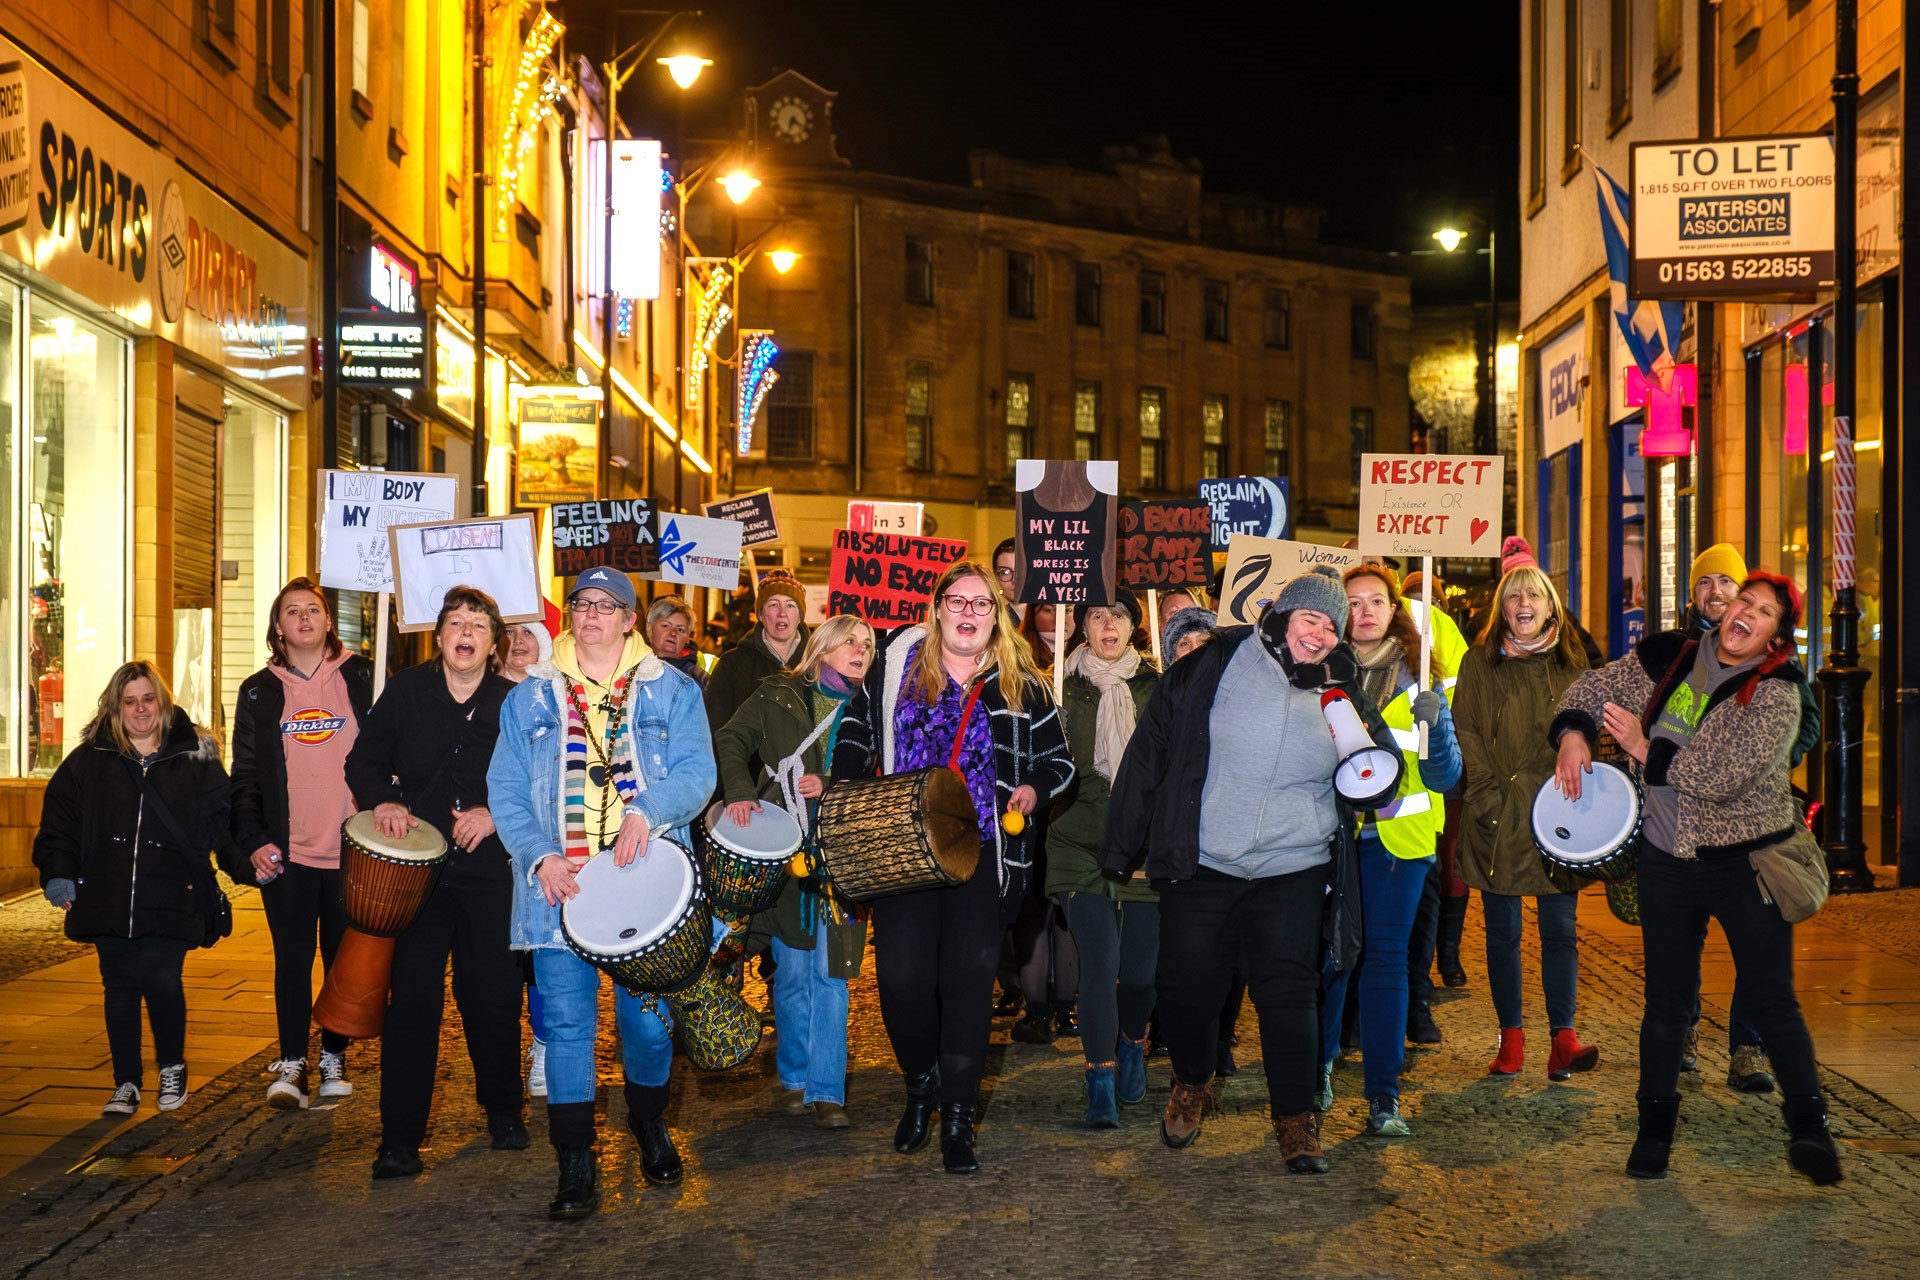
x=953 y=828
x=422 y=844
x=770 y=835
x=1592 y=828
x=620 y=909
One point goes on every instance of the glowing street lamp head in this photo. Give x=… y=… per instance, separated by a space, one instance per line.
x=783 y=259
x=1449 y=238
x=739 y=185
x=685 y=68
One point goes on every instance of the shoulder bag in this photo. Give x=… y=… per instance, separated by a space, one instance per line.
x=1792 y=874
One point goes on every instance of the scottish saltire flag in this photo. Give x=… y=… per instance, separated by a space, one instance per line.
x=1651 y=329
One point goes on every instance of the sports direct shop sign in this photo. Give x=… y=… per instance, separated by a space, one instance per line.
x=1738 y=218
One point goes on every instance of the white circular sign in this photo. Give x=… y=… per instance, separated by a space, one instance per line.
x=170 y=249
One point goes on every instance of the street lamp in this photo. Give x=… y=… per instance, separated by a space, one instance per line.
x=1449 y=238
x=739 y=185
x=783 y=259
x=685 y=68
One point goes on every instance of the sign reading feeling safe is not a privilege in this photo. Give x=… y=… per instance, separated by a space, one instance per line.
x=1430 y=504
x=1164 y=545
x=887 y=578
x=617 y=533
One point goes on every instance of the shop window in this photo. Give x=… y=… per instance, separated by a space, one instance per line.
x=1019 y=418
x=1086 y=421
x=790 y=410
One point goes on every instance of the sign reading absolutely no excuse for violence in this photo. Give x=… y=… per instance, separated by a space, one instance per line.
x=1430 y=504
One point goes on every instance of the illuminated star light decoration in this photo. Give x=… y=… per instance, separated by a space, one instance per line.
x=668 y=222
x=708 y=320
x=757 y=376
x=529 y=103
x=623 y=324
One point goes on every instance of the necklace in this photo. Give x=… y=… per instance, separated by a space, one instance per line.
x=600 y=769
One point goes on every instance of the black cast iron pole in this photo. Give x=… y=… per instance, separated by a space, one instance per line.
x=478 y=461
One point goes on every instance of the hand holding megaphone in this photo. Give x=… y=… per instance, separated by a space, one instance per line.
x=1368 y=774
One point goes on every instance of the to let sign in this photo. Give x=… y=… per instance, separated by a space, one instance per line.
x=619 y=534
x=753 y=512
x=1430 y=504
x=1164 y=545
x=1733 y=218
x=887 y=578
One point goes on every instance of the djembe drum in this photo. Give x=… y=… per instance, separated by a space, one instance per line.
x=898 y=834
x=383 y=882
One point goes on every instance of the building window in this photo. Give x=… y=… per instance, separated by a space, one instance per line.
x=362 y=31
x=1153 y=444
x=1363 y=331
x=919 y=415
x=1019 y=417
x=217 y=30
x=1153 y=302
x=1537 y=104
x=1569 y=89
x=1086 y=294
x=276 y=55
x=790 y=410
x=1020 y=285
x=1279 y=424
x=920 y=271
x=1619 y=64
x=1667 y=40
x=396 y=57
x=1360 y=433
x=1213 y=436
x=1279 y=325
x=1213 y=297
x=1086 y=421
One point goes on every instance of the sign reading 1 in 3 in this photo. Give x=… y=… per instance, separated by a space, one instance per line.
x=1744 y=218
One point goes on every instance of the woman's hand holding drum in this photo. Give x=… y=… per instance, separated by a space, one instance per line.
x=1625 y=728
x=393 y=820
x=1576 y=758
x=632 y=841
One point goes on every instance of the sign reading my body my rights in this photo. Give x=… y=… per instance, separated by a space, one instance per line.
x=611 y=533
x=1430 y=504
x=886 y=578
x=357 y=509
x=1166 y=545
x=1258 y=567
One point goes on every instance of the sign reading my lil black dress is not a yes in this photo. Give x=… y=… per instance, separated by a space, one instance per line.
x=1065 y=522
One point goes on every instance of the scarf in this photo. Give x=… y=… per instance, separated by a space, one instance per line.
x=1380 y=670
x=1113 y=722
x=1515 y=647
x=598 y=765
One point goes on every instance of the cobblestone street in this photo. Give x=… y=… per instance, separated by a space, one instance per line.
x=1521 y=1178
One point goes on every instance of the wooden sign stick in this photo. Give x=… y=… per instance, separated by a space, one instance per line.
x=1154 y=626
x=1059 y=658
x=1426 y=638
x=380 y=645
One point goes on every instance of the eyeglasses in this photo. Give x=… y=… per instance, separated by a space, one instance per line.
x=599 y=608
x=1005 y=575
x=978 y=606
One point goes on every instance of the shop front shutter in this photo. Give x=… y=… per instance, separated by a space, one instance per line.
x=196 y=454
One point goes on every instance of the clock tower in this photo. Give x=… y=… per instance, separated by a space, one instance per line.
x=790 y=121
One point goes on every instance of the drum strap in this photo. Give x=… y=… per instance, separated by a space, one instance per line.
x=960 y=738
x=793 y=767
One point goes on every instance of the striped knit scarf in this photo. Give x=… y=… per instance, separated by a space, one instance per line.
x=603 y=769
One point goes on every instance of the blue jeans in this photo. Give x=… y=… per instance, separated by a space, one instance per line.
x=1390 y=890
x=1559 y=956
x=810 y=1017
x=570 y=989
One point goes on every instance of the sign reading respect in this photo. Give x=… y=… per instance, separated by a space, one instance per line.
x=1430 y=504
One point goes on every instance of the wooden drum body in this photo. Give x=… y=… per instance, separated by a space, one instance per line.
x=747 y=866
x=720 y=1030
x=898 y=834
x=383 y=883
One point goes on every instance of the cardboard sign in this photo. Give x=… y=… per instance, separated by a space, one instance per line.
x=1166 y=545
x=887 y=578
x=557 y=450
x=698 y=551
x=753 y=512
x=1431 y=504
x=494 y=554
x=356 y=510
x=817 y=594
x=887 y=517
x=1065 y=530
x=1257 y=568
x=1255 y=505
x=620 y=534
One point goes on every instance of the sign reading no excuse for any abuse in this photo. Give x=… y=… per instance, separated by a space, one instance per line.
x=1737 y=218
x=887 y=578
x=1430 y=504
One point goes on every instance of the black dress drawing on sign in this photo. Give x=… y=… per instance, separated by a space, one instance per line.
x=1065 y=493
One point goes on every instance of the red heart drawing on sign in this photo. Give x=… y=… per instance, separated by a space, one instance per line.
x=1476 y=528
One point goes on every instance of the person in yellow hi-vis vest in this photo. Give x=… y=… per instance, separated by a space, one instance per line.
x=1442 y=917
x=1396 y=841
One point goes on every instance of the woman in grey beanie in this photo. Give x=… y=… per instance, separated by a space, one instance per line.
x=1184 y=632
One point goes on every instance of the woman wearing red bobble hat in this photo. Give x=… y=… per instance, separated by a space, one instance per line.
x=1711 y=722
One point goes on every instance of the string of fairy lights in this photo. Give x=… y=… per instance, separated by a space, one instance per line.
x=757 y=376
x=709 y=319
x=528 y=106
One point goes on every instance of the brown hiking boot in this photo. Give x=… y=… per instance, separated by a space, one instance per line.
x=1300 y=1142
x=1189 y=1105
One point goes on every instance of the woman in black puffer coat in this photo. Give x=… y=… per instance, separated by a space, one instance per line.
x=128 y=822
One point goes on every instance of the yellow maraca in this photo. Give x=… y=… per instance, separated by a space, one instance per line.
x=799 y=865
x=1013 y=822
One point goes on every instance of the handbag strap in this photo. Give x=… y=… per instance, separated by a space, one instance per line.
x=960 y=737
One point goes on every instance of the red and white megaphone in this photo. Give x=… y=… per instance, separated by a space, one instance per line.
x=1369 y=774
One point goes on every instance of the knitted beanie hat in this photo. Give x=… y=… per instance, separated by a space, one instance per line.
x=779 y=582
x=1514 y=552
x=1320 y=590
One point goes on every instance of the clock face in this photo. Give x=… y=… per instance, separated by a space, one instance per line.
x=791 y=119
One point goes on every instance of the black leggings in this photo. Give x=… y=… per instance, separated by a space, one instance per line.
x=136 y=970
x=935 y=954
x=1119 y=948
x=1049 y=963
x=297 y=901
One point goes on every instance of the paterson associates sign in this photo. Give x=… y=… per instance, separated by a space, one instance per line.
x=1740 y=218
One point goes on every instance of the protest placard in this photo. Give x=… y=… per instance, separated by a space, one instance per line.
x=617 y=533
x=1258 y=567
x=698 y=551
x=886 y=578
x=754 y=514
x=1255 y=505
x=887 y=517
x=1164 y=545
x=1065 y=527
x=1430 y=504
x=494 y=555
x=358 y=507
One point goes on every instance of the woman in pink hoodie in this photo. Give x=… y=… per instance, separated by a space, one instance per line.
x=293 y=725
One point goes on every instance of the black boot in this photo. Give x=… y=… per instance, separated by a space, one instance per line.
x=579 y=1192
x=646 y=1117
x=1453 y=920
x=956 y=1138
x=1421 y=1028
x=1810 y=1148
x=916 y=1122
x=1651 y=1148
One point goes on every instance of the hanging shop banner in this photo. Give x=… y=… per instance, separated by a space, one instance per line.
x=495 y=555
x=1066 y=525
x=558 y=450
x=698 y=551
x=1258 y=567
x=1739 y=218
x=380 y=349
x=1255 y=505
x=1431 y=504
x=887 y=578
x=618 y=533
x=887 y=517
x=356 y=510
x=636 y=218
x=1164 y=545
x=754 y=512
x=1563 y=384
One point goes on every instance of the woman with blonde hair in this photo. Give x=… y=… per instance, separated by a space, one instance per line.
x=793 y=719
x=127 y=825
x=1508 y=693
x=960 y=688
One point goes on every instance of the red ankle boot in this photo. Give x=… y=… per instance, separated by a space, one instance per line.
x=1513 y=1053
x=1568 y=1057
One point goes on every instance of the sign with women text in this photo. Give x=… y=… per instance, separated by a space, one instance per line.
x=1254 y=505
x=887 y=578
x=617 y=533
x=753 y=512
x=356 y=510
x=1257 y=568
x=494 y=555
x=1431 y=504
x=1065 y=528
x=1166 y=545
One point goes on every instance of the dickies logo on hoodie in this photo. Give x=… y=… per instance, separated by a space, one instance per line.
x=311 y=726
